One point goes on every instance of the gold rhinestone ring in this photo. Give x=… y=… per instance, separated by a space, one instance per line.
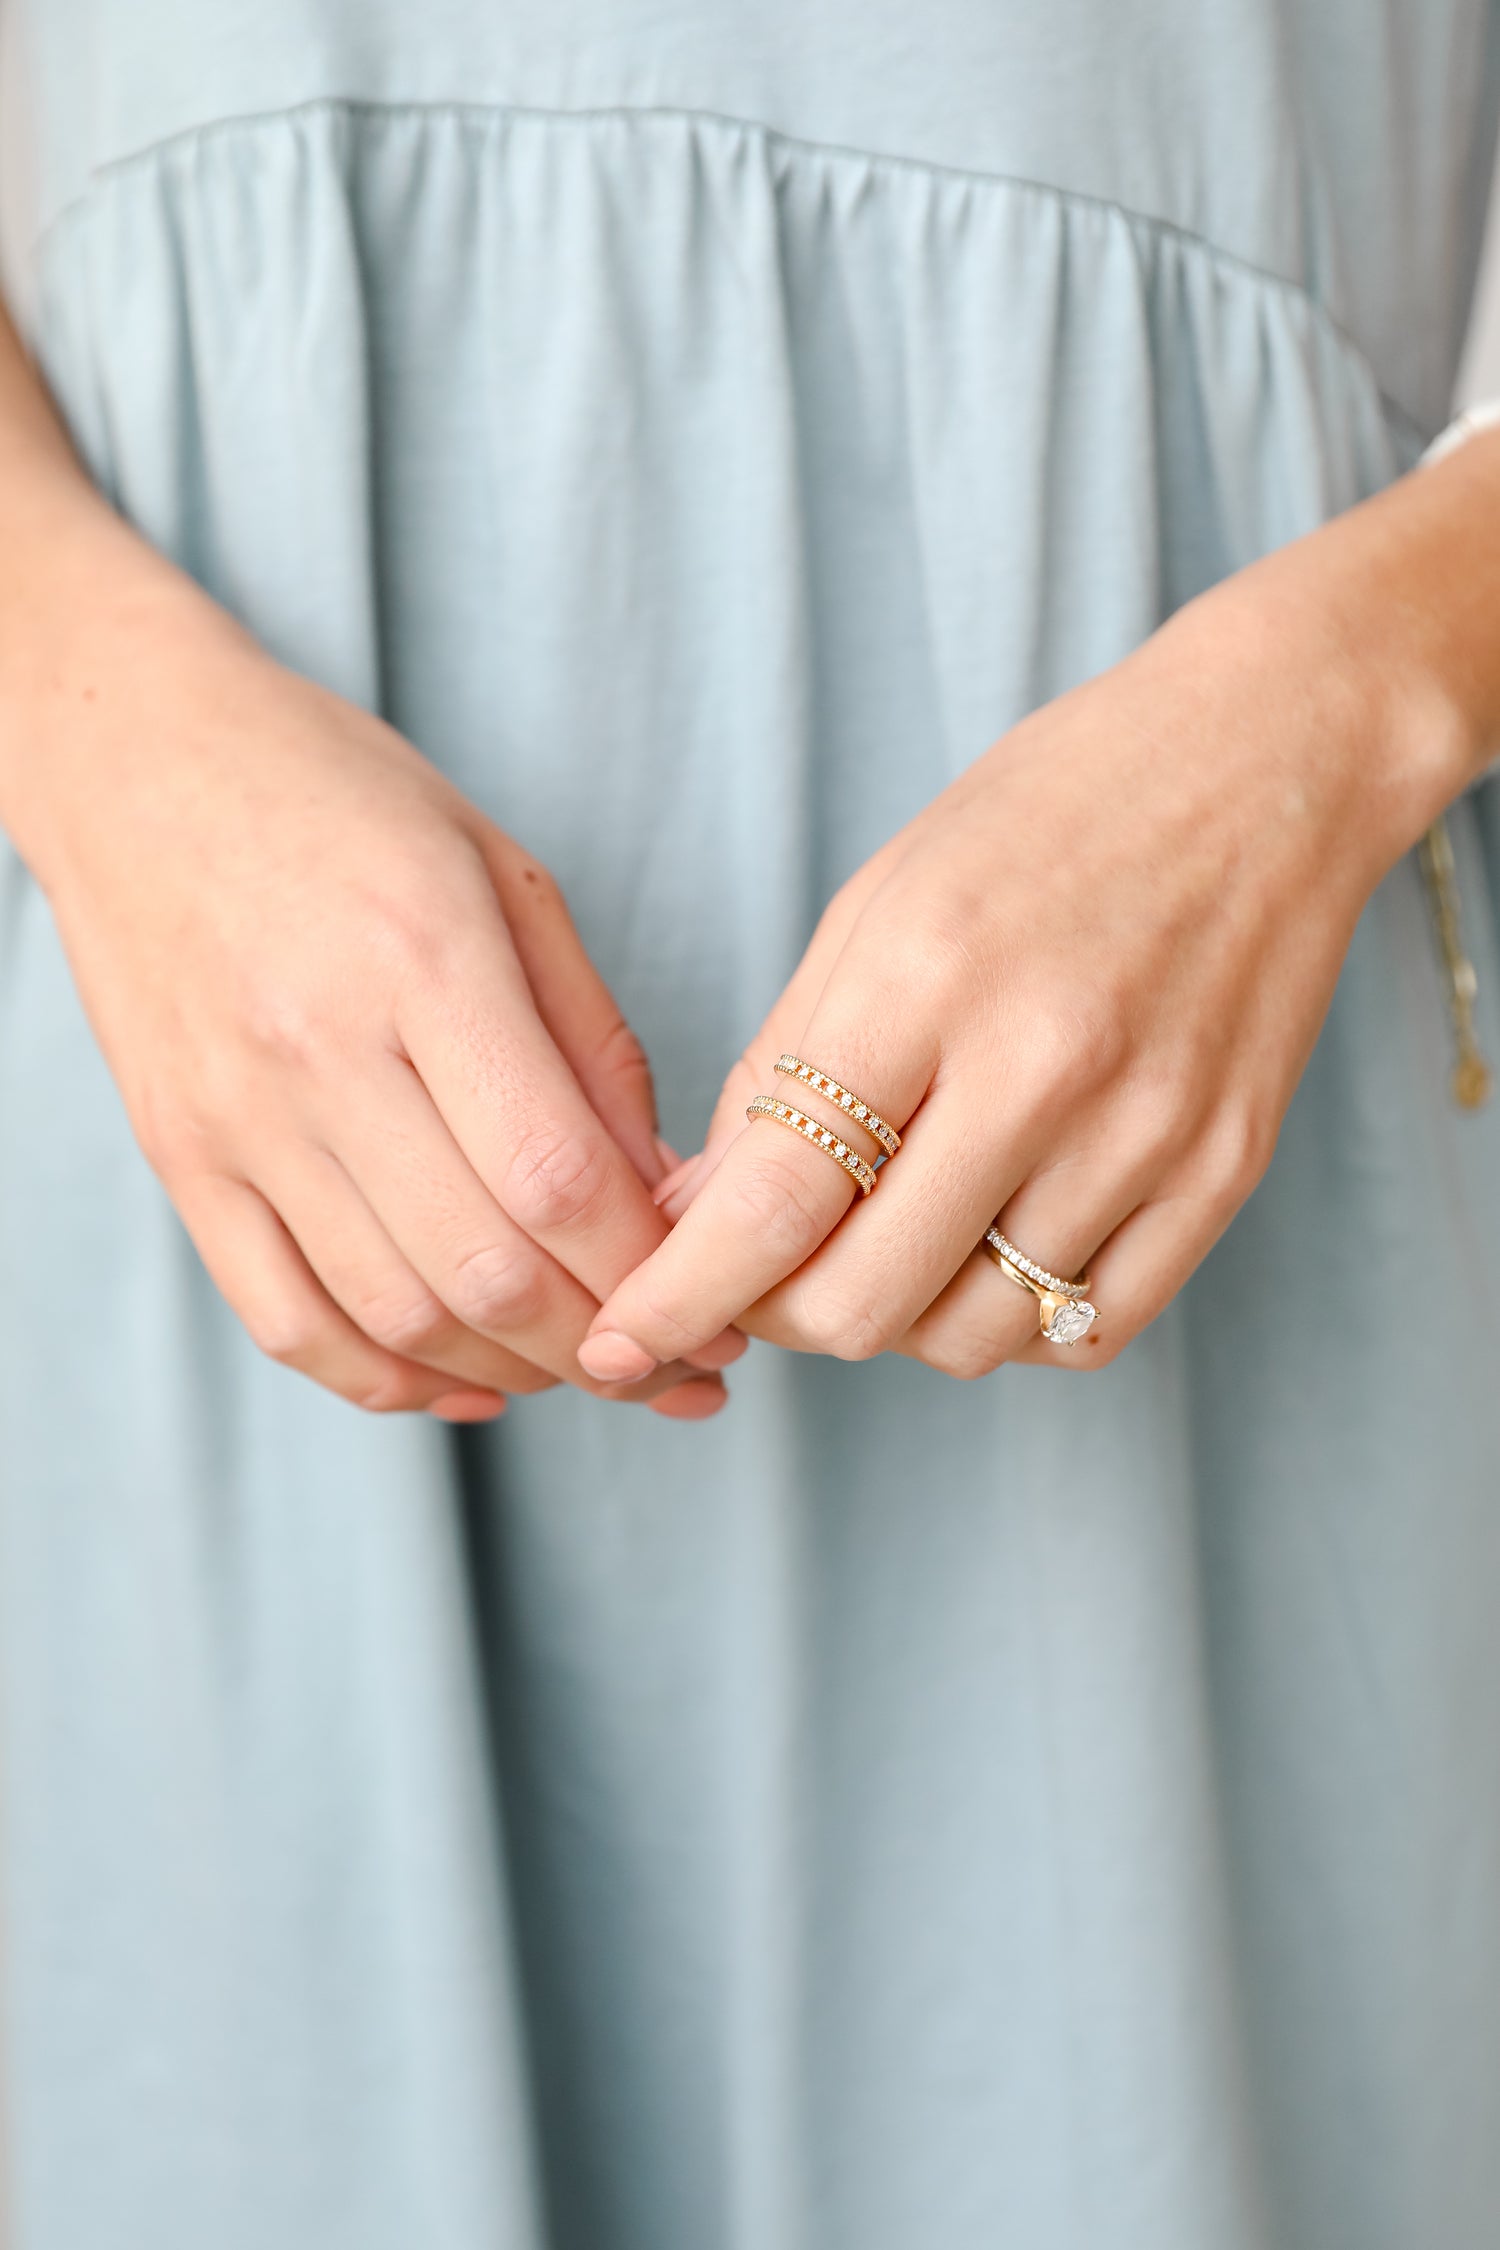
x=798 y=1121
x=1063 y=1310
x=792 y=1066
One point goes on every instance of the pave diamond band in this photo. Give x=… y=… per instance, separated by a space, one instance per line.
x=1064 y=1313
x=798 y=1121
x=792 y=1066
x=1029 y=1266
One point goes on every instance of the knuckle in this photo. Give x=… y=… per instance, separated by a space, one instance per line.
x=661 y=1325
x=843 y=1327
x=187 y=1121
x=931 y=957
x=1240 y=1146
x=174 y=1139
x=422 y=926
x=392 y=1391
x=967 y=1357
x=839 y=911
x=1158 y=1113
x=289 y=1334
x=557 y=1179
x=285 y=1024
x=495 y=1291
x=415 y=923
x=621 y=1057
x=406 y=1320
x=1078 y=1044
x=864 y=1335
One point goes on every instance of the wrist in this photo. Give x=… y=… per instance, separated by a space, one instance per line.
x=1372 y=650
x=99 y=618
x=1408 y=589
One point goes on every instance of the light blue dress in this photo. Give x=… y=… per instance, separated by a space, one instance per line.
x=1037 y=1815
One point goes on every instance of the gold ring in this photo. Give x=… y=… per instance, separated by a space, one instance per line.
x=1063 y=1311
x=792 y=1066
x=1053 y=1281
x=797 y=1121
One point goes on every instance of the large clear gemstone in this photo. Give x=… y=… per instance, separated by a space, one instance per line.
x=1070 y=1321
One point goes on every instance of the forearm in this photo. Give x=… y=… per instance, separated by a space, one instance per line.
x=80 y=595
x=57 y=536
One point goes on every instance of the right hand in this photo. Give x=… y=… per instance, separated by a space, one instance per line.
x=355 y=1029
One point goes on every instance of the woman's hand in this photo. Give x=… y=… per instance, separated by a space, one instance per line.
x=1083 y=983
x=353 y=1025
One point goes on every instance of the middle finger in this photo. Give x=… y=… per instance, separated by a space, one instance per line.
x=771 y=1199
x=494 y=1279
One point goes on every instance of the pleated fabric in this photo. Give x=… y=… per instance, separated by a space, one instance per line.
x=1040 y=1812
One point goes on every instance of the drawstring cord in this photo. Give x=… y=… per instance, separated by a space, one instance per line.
x=1472 y=1081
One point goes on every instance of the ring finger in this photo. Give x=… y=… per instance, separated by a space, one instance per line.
x=287 y=1312
x=1145 y=1263
x=1059 y=1219
x=367 y=1276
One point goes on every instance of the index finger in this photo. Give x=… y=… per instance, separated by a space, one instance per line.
x=772 y=1198
x=523 y=1122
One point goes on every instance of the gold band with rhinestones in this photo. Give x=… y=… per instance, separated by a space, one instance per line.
x=782 y=1113
x=1062 y=1320
x=792 y=1066
x=1039 y=1274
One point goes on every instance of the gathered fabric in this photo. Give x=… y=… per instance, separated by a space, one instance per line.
x=1038 y=1812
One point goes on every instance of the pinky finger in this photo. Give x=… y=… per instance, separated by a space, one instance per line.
x=289 y=1315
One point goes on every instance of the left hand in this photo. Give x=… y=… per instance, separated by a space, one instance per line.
x=1083 y=984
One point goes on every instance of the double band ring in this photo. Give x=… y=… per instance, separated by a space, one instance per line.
x=792 y=1066
x=1063 y=1309
x=822 y=1136
x=798 y=1121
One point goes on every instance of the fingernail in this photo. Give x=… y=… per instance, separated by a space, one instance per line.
x=650 y=1156
x=467 y=1406
x=612 y=1358
x=691 y=1402
x=720 y=1351
x=679 y=1176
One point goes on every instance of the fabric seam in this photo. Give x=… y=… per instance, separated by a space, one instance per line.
x=491 y=113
